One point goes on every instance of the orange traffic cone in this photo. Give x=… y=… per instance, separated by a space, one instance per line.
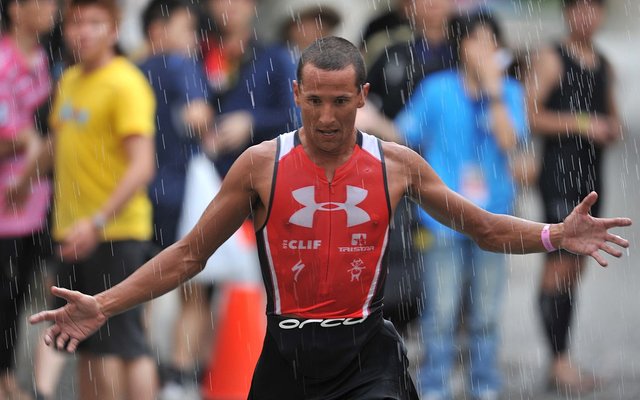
x=237 y=344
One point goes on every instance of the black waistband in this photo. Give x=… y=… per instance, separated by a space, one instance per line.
x=322 y=347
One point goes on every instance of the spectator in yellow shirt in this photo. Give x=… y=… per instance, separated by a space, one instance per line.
x=103 y=159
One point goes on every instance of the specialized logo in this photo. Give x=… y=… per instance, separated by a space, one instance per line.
x=306 y=197
x=296 y=269
x=357 y=266
x=358 y=244
x=293 y=323
x=301 y=244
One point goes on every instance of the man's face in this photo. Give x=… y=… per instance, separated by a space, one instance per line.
x=232 y=15
x=479 y=46
x=306 y=32
x=428 y=13
x=180 y=31
x=329 y=101
x=37 y=15
x=90 y=31
x=584 y=18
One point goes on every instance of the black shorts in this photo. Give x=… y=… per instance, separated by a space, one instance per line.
x=570 y=171
x=123 y=335
x=378 y=371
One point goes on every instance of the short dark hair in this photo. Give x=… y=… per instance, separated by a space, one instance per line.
x=333 y=53
x=571 y=3
x=322 y=14
x=463 y=25
x=160 y=10
x=5 y=18
x=110 y=5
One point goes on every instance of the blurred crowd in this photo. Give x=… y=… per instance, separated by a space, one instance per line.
x=98 y=146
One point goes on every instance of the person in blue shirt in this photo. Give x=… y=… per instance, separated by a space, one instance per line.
x=183 y=120
x=466 y=122
x=393 y=76
x=183 y=114
x=250 y=82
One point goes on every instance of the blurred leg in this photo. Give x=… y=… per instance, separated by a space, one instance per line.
x=9 y=387
x=17 y=256
x=100 y=378
x=487 y=280
x=443 y=277
x=48 y=366
x=193 y=328
x=141 y=378
x=560 y=281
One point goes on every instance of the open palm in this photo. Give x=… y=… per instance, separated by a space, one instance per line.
x=74 y=322
x=586 y=235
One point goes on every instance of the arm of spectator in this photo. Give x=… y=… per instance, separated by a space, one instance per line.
x=85 y=234
x=197 y=116
x=36 y=163
x=83 y=315
x=543 y=78
x=10 y=143
x=12 y=146
x=372 y=121
x=493 y=86
x=615 y=122
x=276 y=112
x=502 y=124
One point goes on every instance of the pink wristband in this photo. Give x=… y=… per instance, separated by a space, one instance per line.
x=546 y=239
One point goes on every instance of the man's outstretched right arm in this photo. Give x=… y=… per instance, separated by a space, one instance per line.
x=83 y=315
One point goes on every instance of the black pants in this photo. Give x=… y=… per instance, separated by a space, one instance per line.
x=18 y=258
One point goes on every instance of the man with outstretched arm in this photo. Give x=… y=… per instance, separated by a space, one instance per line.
x=321 y=199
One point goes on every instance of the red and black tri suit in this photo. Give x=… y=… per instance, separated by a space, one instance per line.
x=323 y=253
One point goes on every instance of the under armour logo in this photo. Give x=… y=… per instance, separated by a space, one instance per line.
x=306 y=197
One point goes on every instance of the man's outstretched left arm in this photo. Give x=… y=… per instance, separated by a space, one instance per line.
x=579 y=233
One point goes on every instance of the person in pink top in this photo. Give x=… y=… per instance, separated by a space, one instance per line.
x=25 y=84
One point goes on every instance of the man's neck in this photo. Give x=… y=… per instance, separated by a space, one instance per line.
x=157 y=47
x=581 y=44
x=89 y=66
x=470 y=81
x=433 y=34
x=328 y=160
x=27 y=42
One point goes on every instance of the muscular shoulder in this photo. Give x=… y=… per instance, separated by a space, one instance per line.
x=547 y=61
x=262 y=154
x=255 y=165
x=403 y=165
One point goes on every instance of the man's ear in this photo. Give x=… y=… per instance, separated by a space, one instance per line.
x=155 y=31
x=296 y=92
x=364 y=92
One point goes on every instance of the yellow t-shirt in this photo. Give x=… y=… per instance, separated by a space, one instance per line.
x=92 y=114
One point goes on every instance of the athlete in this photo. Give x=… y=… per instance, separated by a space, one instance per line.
x=321 y=200
x=572 y=108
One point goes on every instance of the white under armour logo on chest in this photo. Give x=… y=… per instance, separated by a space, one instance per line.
x=306 y=197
